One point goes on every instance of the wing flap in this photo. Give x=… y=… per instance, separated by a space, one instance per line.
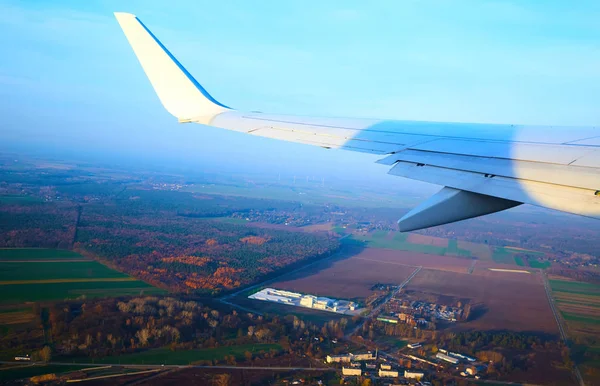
x=567 y=199
x=567 y=175
x=450 y=205
x=555 y=154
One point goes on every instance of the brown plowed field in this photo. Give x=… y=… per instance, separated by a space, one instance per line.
x=482 y=269
x=500 y=300
x=345 y=278
x=502 y=304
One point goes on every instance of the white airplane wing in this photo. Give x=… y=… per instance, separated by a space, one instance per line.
x=483 y=168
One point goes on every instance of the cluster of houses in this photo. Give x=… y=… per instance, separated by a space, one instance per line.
x=417 y=312
x=366 y=364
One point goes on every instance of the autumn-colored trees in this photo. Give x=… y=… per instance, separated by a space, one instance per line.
x=191 y=254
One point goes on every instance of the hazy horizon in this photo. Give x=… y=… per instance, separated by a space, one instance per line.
x=72 y=83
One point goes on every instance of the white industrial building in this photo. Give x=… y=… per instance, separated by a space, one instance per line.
x=368 y=356
x=306 y=300
x=447 y=358
x=458 y=355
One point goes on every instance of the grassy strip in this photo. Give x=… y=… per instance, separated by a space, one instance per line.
x=575 y=287
x=571 y=317
x=542 y=264
x=166 y=356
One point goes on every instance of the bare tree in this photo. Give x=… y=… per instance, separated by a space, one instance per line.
x=222 y=380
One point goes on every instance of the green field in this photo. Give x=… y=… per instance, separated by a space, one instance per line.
x=542 y=264
x=519 y=261
x=399 y=241
x=575 y=287
x=62 y=275
x=511 y=255
x=309 y=194
x=12 y=374
x=503 y=256
x=168 y=357
x=19 y=293
x=37 y=253
x=56 y=270
x=393 y=341
x=523 y=250
x=579 y=305
x=571 y=317
x=339 y=230
x=16 y=199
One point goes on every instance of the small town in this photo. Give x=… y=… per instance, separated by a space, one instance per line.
x=420 y=313
x=376 y=365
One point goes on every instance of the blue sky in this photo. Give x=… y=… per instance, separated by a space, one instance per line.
x=68 y=76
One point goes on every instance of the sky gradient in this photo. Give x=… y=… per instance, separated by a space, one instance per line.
x=68 y=78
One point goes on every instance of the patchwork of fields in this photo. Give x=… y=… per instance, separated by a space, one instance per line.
x=501 y=300
x=413 y=242
x=579 y=304
x=38 y=275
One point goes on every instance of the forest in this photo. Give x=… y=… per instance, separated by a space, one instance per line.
x=100 y=328
x=171 y=239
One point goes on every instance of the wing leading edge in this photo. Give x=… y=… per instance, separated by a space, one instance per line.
x=484 y=168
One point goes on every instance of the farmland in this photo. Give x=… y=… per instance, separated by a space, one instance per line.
x=38 y=275
x=579 y=305
x=414 y=242
x=499 y=302
x=348 y=277
x=407 y=242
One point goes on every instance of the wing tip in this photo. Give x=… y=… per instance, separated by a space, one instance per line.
x=124 y=15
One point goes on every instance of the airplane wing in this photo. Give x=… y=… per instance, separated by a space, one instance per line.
x=483 y=168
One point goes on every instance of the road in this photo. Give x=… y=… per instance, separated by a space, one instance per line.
x=559 y=323
x=387 y=299
x=472 y=267
x=104 y=365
